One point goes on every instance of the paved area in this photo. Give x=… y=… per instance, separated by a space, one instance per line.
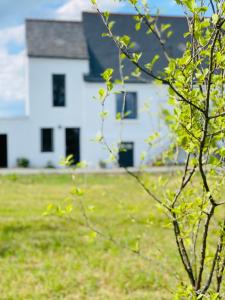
x=30 y=171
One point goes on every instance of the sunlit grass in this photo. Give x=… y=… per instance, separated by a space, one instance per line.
x=53 y=257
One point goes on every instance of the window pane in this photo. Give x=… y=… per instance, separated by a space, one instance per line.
x=59 y=90
x=119 y=103
x=46 y=139
x=130 y=108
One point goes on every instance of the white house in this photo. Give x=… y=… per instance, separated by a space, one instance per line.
x=64 y=63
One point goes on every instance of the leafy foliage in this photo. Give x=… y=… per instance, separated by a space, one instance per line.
x=196 y=120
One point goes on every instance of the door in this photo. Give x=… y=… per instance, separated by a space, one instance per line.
x=73 y=143
x=126 y=155
x=3 y=151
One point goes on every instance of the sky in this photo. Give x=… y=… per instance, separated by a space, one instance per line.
x=12 y=38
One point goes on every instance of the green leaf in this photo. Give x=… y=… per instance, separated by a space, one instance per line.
x=134 y=2
x=111 y=24
x=169 y=34
x=102 y=93
x=186 y=34
x=118 y=116
x=215 y=18
x=105 y=34
x=164 y=27
x=124 y=40
x=138 y=26
x=77 y=192
x=107 y=74
x=136 y=73
x=67 y=161
x=150 y=65
x=191 y=5
x=106 y=15
x=104 y=114
x=136 y=57
x=152 y=138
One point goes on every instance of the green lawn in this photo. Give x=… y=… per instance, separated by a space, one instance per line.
x=53 y=257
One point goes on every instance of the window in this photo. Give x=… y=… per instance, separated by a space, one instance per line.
x=46 y=140
x=59 y=90
x=126 y=154
x=128 y=109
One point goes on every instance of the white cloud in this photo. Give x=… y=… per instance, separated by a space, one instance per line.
x=73 y=8
x=12 y=66
x=173 y=3
x=15 y=34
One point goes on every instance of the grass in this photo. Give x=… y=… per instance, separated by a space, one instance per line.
x=53 y=257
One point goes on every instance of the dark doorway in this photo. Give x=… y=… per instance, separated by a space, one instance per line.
x=126 y=155
x=3 y=151
x=73 y=143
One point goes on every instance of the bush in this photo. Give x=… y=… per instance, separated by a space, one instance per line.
x=49 y=165
x=23 y=162
x=102 y=164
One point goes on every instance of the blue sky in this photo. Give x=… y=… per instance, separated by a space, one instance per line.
x=12 y=40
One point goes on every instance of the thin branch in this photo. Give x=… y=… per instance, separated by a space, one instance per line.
x=215 y=260
x=208 y=283
x=220 y=203
x=204 y=244
x=146 y=71
x=216 y=133
x=197 y=234
x=154 y=30
x=203 y=175
x=107 y=237
x=212 y=6
x=182 y=250
x=184 y=181
x=189 y=132
x=152 y=195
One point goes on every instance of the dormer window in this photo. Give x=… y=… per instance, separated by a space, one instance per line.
x=59 y=90
x=126 y=105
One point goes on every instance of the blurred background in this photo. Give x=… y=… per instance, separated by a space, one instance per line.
x=12 y=38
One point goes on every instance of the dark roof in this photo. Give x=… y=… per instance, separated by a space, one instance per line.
x=103 y=53
x=55 y=39
x=83 y=40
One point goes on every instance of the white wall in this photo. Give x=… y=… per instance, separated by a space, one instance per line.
x=17 y=131
x=136 y=130
x=42 y=112
x=81 y=111
x=24 y=133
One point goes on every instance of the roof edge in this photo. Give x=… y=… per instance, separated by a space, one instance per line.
x=56 y=57
x=96 y=79
x=52 y=20
x=133 y=14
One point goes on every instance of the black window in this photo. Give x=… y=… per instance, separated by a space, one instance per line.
x=126 y=105
x=46 y=139
x=59 y=89
x=126 y=154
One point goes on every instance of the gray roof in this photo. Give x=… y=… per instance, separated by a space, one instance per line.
x=84 y=40
x=55 y=39
x=103 y=53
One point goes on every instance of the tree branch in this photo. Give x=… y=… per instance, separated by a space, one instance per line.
x=146 y=71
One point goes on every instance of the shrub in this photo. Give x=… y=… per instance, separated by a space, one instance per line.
x=49 y=165
x=22 y=162
x=102 y=164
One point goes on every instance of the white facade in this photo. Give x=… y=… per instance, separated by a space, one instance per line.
x=131 y=130
x=81 y=111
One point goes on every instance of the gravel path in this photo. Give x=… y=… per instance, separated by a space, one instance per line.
x=30 y=171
